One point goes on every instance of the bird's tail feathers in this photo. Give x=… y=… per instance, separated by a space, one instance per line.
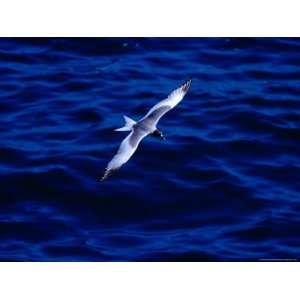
x=129 y=123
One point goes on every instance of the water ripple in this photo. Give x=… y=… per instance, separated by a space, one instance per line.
x=223 y=186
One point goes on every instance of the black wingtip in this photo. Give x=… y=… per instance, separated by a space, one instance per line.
x=185 y=87
x=105 y=175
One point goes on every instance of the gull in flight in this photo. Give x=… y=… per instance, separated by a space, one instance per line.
x=142 y=128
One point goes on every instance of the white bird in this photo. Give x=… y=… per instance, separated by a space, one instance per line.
x=142 y=128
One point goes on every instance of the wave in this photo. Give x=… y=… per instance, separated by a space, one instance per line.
x=223 y=186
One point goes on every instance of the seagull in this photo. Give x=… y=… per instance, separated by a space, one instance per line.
x=143 y=127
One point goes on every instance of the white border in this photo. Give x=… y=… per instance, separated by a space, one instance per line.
x=149 y=281
x=150 y=18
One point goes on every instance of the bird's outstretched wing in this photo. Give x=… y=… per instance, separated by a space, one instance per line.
x=131 y=142
x=125 y=151
x=162 y=107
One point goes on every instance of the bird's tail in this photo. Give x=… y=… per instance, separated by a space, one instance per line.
x=128 y=125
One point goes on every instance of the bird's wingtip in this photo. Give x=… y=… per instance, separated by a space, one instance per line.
x=105 y=175
x=186 y=85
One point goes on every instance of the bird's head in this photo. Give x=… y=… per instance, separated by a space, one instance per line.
x=158 y=133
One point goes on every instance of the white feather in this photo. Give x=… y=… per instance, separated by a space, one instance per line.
x=172 y=100
x=124 y=153
x=128 y=124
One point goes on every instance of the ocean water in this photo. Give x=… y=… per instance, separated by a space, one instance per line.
x=224 y=186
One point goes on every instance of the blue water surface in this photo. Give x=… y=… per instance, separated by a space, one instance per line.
x=224 y=186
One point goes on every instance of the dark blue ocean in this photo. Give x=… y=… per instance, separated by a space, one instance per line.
x=224 y=186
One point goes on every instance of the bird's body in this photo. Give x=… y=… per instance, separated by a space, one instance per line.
x=144 y=127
